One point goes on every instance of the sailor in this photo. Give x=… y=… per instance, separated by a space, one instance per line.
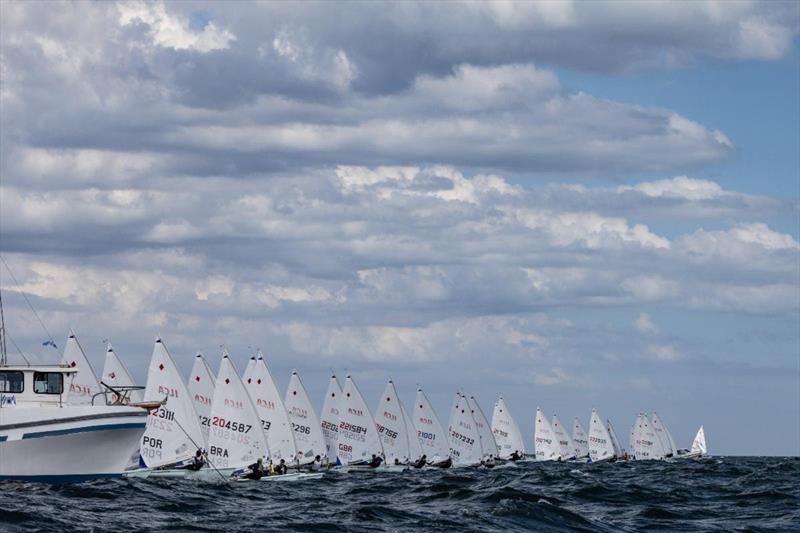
x=316 y=464
x=197 y=461
x=281 y=468
x=515 y=456
x=271 y=468
x=421 y=462
x=375 y=462
x=257 y=470
x=396 y=461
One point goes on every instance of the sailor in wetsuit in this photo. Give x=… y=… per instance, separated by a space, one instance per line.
x=281 y=469
x=257 y=470
x=316 y=465
x=375 y=462
x=421 y=462
x=515 y=456
x=197 y=461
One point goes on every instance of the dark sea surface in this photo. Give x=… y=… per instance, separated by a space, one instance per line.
x=722 y=494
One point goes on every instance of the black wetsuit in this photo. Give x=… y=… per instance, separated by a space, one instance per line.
x=420 y=463
x=376 y=462
x=196 y=464
x=256 y=472
x=281 y=469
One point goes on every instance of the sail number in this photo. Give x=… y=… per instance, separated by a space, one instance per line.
x=463 y=438
x=305 y=430
x=230 y=424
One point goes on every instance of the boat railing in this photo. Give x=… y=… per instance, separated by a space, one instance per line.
x=120 y=395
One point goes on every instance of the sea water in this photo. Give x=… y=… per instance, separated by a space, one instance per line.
x=721 y=493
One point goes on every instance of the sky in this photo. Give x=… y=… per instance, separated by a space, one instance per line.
x=572 y=204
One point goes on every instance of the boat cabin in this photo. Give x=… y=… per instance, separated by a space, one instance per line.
x=34 y=385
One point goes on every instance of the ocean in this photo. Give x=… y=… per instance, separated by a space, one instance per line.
x=715 y=494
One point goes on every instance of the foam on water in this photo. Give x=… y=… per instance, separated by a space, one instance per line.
x=723 y=494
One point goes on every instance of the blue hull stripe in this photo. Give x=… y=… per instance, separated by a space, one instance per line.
x=2 y=438
x=104 y=427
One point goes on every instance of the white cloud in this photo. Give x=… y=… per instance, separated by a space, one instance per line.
x=645 y=324
x=664 y=352
x=678 y=187
x=170 y=31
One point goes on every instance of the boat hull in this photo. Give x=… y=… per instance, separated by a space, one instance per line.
x=68 y=444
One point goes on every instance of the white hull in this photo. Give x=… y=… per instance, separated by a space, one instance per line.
x=204 y=474
x=68 y=443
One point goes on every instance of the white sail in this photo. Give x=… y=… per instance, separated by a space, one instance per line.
x=430 y=432
x=116 y=375
x=173 y=430
x=391 y=426
x=414 y=445
x=307 y=430
x=329 y=418
x=463 y=435
x=566 y=449
x=201 y=389
x=84 y=384
x=271 y=411
x=544 y=439
x=580 y=441
x=506 y=431
x=699 y=443
x=647 y=443
x=664 y=436
x=248 y=370
x=614 y=440
x=600 y=445
x=236 y=438
x=488 y=443
x=358 y=436
x=632 y=446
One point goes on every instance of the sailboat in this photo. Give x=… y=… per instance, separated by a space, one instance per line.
x=431 y=434
x=236 y=437
x=463 y=435
x=601 y=447
x=307 y=430
x=614 y=440
x=329 y=419
x=647 y=446
x=201 y=391
x=414 y=446
x=173 y=432
x=117 y=377
x=84 y=388
x=664 y=437
x=392 y=429
x=698 y=448
x=271 y=411
x=359 y=441
x=544 y=440
x=580 y=441
x=506 y=432
x=488 y=444
x=566 y=449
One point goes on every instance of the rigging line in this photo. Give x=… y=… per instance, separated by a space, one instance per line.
x=27 y=300
x=18 y=348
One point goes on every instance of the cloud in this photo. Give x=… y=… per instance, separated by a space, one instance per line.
x=645 y=324
x=172 y=31
x=664 y=352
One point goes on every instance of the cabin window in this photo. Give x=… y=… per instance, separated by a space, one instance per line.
x=12 y=381
x=48 y=382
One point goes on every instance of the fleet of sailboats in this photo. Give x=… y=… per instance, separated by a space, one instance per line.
x=227 y=424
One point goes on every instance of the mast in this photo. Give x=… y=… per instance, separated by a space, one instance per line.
x=3 y=351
